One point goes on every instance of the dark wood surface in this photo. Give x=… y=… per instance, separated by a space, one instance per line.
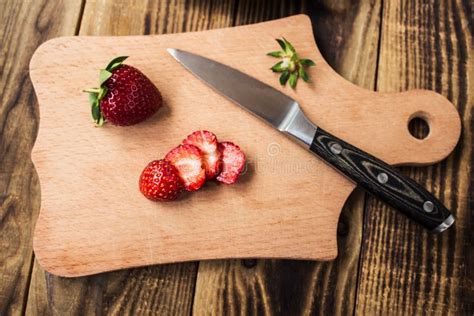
x=404 y=269
x=386 y=264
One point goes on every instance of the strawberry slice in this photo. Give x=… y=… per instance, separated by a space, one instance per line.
x=188 y=159
x=233 y=162
x=207 y=143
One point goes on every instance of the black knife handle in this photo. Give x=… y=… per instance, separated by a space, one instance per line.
x=383 y=181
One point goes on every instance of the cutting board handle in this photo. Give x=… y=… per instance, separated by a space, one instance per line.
x=439 y=114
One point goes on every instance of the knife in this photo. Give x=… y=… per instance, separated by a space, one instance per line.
x=285 y=114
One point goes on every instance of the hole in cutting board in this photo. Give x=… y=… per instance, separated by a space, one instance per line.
x=418 y=127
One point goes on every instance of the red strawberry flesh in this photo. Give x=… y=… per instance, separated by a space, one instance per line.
x=188 y=160
x=207 y=143
x=159 y=181
x=131 y=97
x=233 y=162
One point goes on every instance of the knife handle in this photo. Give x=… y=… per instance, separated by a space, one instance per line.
x=383 y=181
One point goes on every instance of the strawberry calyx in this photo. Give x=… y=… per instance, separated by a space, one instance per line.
x=291 y=67
x=97 y=94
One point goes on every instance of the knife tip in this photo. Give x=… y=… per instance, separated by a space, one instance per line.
x=171 y=51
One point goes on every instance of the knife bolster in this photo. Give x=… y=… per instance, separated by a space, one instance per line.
x=300 y=128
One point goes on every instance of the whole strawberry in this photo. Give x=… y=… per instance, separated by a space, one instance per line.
x=125 y=97
x=160 y=181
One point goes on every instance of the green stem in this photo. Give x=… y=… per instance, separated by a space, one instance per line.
x=92 y=90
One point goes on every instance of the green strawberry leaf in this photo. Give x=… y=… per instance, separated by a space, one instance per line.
x=293 y=79
x=97 y=114
x=95 y=110
x=307 y=62
x=282 y=44
x=116 y=62
x=284 y=77
x=279 y=67
x=295 y=58
x=100 y=121
x=289 y=47
x=303 y=74
x=291 y=66
x=278 y=54
x=103 y=91
x=93 y=98
x=104 y=76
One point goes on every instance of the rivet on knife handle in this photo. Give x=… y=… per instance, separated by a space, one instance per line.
x=382 y=180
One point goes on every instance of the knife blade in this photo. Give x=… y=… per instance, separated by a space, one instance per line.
x=285 y=114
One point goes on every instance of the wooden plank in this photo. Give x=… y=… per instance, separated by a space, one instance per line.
x=301 y=287
x=24 y=25
x=165 y=289
x=405 y=270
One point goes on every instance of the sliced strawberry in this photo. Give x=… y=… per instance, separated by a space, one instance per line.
x=207 y=143
x=188 y=159
x=159 y=181
x=233 y=162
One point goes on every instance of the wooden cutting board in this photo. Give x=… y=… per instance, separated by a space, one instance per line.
x=287 y=204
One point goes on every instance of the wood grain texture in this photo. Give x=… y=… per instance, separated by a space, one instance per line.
x=163 y=289
x=156 y=290
x=347 y=36
x=405 y=270
x=23 y=26
x=75 y=235
x=345 y=32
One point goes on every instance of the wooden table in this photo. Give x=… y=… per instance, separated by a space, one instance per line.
x=386 y=265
